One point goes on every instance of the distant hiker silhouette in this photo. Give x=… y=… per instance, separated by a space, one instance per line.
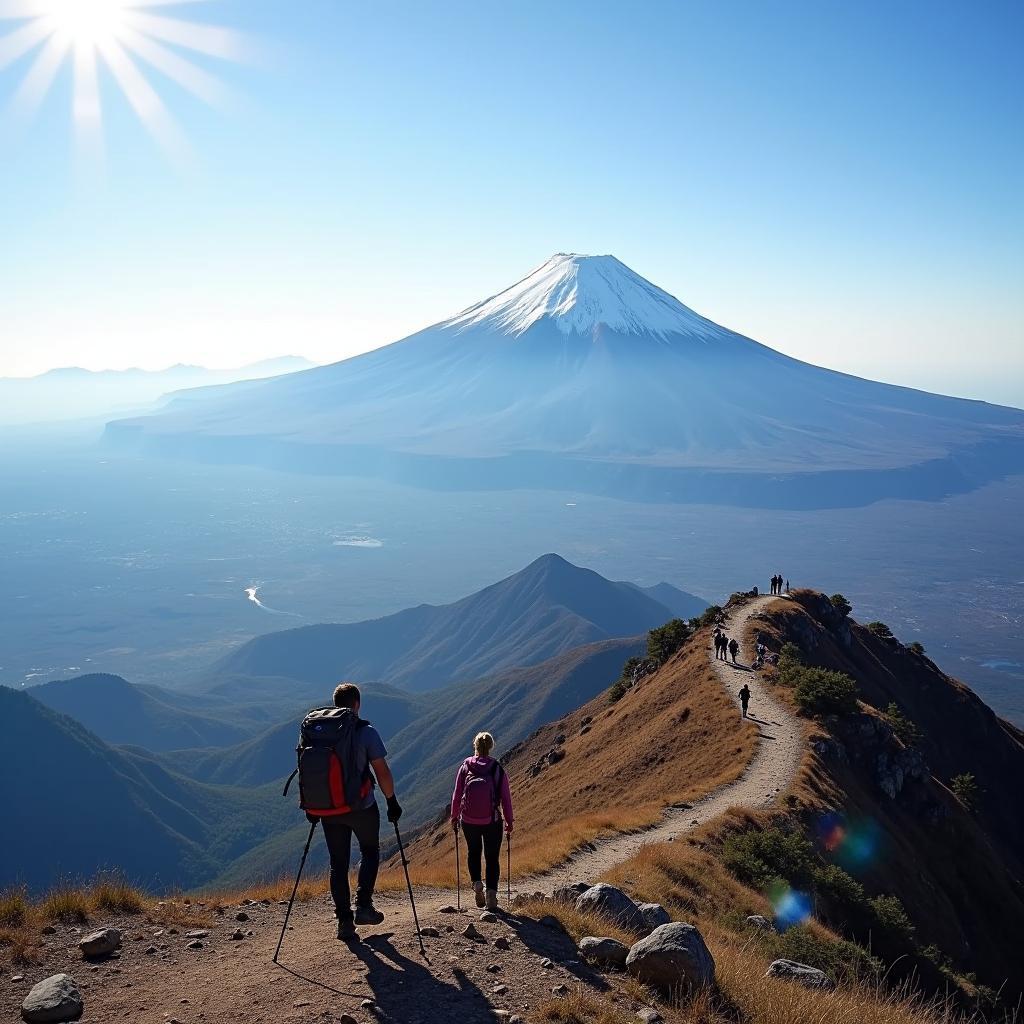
x=744 y=696
x=480 y=798
x=787 y=586
x=339 y=754
x=734 y=649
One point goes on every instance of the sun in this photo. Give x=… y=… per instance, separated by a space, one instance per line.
x=122 y=39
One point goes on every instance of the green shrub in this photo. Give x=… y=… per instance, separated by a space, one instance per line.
x=820 y=691
x=916 y=647
x=965 y=789
x=842 y=961
x=617 y=691
x=791 y=660
x=890 y=916
x=708 y=617
x=840 y=891
x=759 y=858
x=882 y=631
x=841 y=605
x=664 y=641
x=901 y=725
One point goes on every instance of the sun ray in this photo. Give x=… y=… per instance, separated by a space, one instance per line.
x=88 y=108
x=180 y=69
x=37 y=81
x=209 y=39
x=144 y=100
x=17 y=43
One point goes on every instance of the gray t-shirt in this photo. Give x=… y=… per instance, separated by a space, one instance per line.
x=369 y=747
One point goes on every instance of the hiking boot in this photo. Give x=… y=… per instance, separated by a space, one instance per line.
x=492 y=899
x=347 y=931
x=368 y=915
x=478 y=889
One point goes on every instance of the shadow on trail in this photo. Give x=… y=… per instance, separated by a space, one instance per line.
x=317 y=983
x=404 y=987
x=556 y=946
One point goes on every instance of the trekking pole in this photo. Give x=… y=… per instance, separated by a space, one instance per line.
x=295 y=888
x=405 y=866
x=508 y=866
x=458 y=874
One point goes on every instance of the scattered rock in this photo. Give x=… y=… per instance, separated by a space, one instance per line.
x=809 y=977
x=470 y=932
x=237 y=935
x=48 y=929
x=611 y=903
x=100 y=943
x=672 y=954
x=199 y=933
x=649 y=1015
x=448 y=910
x=500 y=990
x=431 y=933
x=494 y=968
x=196 y=944
x=654 y=915
x=560 y=990
x=151 y=951
x=346 y=1018
x=552 y=922
x=488 y=917
x=501 y=943
x=760 y=922
x=603 y=951
x=570 y=893
x=17 y=977
x=241 y=916
x=56 y=998
x=367 y=1004
x=546 y=964
x=503 y=1015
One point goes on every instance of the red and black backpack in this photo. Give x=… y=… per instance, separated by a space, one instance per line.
x=330 y=782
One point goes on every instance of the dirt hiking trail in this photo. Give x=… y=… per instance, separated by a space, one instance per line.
x=163 y=975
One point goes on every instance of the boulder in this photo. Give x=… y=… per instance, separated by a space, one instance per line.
x=552 y=922
x=100 y=943
x=649 y=1015
x=760 y=922
x=570 y=893
x=430 y=933
x=54 y=999
x=603 y=951
x=488 y=917
x=809 y=977
x=654 y=915
x=673 y=954
x=613 y=904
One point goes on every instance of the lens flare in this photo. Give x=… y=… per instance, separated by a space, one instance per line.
x=789 y=906
x=123 y=37
x=853 y=844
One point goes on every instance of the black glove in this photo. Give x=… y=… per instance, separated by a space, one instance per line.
x=394 y=809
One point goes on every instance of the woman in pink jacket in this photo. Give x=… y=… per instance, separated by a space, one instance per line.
x=480 y=801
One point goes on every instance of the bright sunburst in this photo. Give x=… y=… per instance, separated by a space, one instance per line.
x=126 y=38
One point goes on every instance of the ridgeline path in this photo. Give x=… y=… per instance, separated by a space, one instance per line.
x=773 y=768
x=159 y=978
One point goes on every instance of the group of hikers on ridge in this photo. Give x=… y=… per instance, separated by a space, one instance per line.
x=341 y=761
x=778 y=583
x=724 y=646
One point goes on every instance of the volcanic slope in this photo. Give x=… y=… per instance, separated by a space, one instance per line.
x=583 y=375
x=546 y=609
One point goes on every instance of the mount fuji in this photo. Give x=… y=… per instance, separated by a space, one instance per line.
x=585 y=376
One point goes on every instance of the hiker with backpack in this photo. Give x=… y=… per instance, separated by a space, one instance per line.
x=482 y=806
x=339 y=755
x=744 y=696
x=734 y=649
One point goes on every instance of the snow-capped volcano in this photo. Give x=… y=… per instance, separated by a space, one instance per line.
x=585 y=376
x=581 y=294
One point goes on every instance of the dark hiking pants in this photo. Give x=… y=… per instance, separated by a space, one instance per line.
x=338 y=833
x=485 y=839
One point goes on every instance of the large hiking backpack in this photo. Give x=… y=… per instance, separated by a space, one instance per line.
x=330 y=782
x=481 y=791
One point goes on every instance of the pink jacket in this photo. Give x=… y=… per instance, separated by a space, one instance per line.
x=460 y=782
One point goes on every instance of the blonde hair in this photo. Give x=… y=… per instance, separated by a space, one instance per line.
x=483 y=743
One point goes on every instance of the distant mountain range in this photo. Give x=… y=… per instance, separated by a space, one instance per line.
x=584 y=376
x=547 y=608
x=72 y=392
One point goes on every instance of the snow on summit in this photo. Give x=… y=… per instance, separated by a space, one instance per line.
x=578 y=293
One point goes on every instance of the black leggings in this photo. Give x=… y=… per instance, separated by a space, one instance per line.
x=485 y=839
x=338 y=833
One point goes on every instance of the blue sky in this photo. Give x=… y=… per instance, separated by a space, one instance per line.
x=840 y=181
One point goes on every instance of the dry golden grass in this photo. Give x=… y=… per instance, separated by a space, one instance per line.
x=66 y=903
x=113 y=895
x=578 y=1007
x=14 y=908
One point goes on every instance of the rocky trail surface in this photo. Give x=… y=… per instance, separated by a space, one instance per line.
x=165 y=974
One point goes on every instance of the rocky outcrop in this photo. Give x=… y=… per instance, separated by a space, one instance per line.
x=760 y=922
x=56 y=998
x=809 y=977
x=613 y=904
x=570 y=893
x=870 y=742
x=654 y=915
x=673 y=955
x=603 y=951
